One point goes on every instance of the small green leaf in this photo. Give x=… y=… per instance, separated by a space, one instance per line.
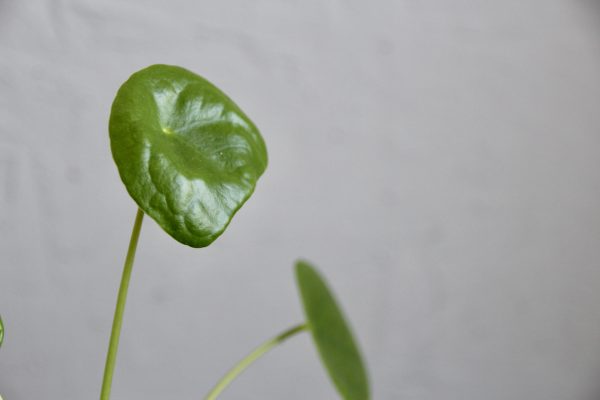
x=186 y=153
x=332 y=335
x=1 y=332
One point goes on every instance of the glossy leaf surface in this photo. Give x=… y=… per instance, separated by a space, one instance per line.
x=186 y=153
x=332 y=335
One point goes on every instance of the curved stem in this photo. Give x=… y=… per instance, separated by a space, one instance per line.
x=250 y=358
x=113 y=346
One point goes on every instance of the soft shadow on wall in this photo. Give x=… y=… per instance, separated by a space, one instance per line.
x=592 y=9
x=3 y=10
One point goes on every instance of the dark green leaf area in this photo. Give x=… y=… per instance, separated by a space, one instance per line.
x=186 y=153
x=332 y=335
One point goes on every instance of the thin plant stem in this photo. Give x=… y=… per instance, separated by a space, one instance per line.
x=250 y=358
x=113 y=347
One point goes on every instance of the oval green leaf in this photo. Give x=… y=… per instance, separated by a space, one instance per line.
x=332 y=335
x=1 y=332
x=186 y=153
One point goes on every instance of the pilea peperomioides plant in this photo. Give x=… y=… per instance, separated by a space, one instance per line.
x=190 y=158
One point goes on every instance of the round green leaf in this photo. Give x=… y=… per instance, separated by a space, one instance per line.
x=186 y=153
x=332 y=335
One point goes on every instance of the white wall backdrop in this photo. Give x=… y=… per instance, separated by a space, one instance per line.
x=439 y=160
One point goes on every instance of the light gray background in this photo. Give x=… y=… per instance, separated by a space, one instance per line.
x=438 y=160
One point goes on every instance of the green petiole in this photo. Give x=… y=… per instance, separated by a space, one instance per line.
x=250 y=358
x=113 y=346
